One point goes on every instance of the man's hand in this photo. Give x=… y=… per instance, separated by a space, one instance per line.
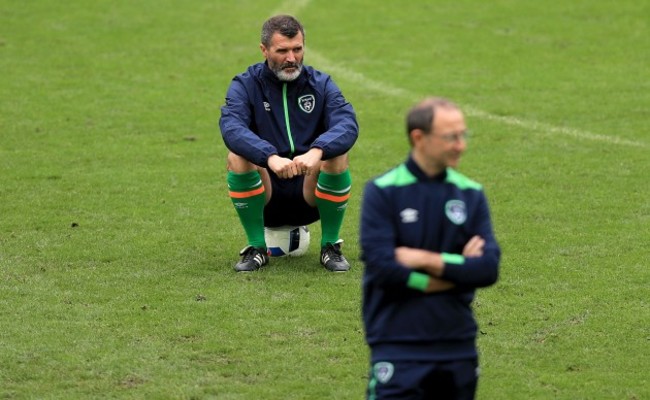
x=282 y=167
x=308 y=163
x=474 y=248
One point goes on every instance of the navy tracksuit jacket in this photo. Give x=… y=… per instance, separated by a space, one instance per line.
x=263 y=116
x=404 y=207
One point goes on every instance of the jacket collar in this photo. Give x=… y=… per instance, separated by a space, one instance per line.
x=417 y=171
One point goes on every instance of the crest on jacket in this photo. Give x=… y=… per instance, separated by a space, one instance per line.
x=456 y=211
x=383 y=371
x=307 y=103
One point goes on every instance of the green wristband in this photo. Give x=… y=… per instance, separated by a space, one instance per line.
x=418 y=281
x=453 y=258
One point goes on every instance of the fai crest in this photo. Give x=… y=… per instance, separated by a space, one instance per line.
x=307 y=103
x=383 y=371
x=456 y=211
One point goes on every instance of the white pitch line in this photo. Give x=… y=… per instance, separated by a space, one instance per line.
x=552 y=129
x=355 y=77
x=294 y=6
x=383 y=88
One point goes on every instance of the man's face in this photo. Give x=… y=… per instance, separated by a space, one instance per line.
x=444 y=146
x=284 y=55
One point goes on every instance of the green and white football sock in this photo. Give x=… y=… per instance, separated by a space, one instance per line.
x=248 y=196
x=332 y=194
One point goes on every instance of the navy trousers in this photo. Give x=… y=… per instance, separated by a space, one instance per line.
x=423 y=380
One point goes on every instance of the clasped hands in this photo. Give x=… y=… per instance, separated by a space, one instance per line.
x=304 y=164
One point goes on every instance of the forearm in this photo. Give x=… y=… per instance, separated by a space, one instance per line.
x=419 y=280
x=474 y=271
x=428 y=266
x=477 y=271
x=424 y=260
x=438 y=285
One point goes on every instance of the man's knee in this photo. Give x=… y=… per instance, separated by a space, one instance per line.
x=239 y=164
x=336 y=165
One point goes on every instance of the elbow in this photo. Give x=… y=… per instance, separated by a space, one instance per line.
x=491 y=269
x=492 y=277
x=491 y=273
x=479 y=275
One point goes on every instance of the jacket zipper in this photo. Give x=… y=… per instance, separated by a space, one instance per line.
x=286 y=118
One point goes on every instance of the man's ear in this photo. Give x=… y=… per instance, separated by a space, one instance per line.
x=416 y=135
x=263 y=49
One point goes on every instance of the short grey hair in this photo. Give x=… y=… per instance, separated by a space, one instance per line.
x=286 y=25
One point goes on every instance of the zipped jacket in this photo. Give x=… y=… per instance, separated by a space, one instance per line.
x=405 y=207
x=264 y=116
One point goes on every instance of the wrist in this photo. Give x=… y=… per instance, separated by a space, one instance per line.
x=436 y=265
x=317 y=150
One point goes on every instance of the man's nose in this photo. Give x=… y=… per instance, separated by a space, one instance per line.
x=291 y=56
x=461 y=144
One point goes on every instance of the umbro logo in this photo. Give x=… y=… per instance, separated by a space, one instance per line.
x=409 y=215
x=267 y=106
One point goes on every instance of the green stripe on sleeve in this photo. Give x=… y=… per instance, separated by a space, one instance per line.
x=418 y=281
x=453 y=258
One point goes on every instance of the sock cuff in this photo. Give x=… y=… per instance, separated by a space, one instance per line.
x=244 y=182
x=335 y=182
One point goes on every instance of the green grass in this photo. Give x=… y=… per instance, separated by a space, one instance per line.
x=117 y=238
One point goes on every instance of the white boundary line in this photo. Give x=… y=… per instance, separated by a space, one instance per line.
x=293 y=7
x=382 y=88
x=552 y=129
x=355 y=77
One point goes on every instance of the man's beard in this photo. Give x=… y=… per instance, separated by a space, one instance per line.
x=288 y=76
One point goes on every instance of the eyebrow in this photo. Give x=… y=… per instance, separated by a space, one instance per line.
x=278 y=48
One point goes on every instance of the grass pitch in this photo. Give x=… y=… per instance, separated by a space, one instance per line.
x=117 y=237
